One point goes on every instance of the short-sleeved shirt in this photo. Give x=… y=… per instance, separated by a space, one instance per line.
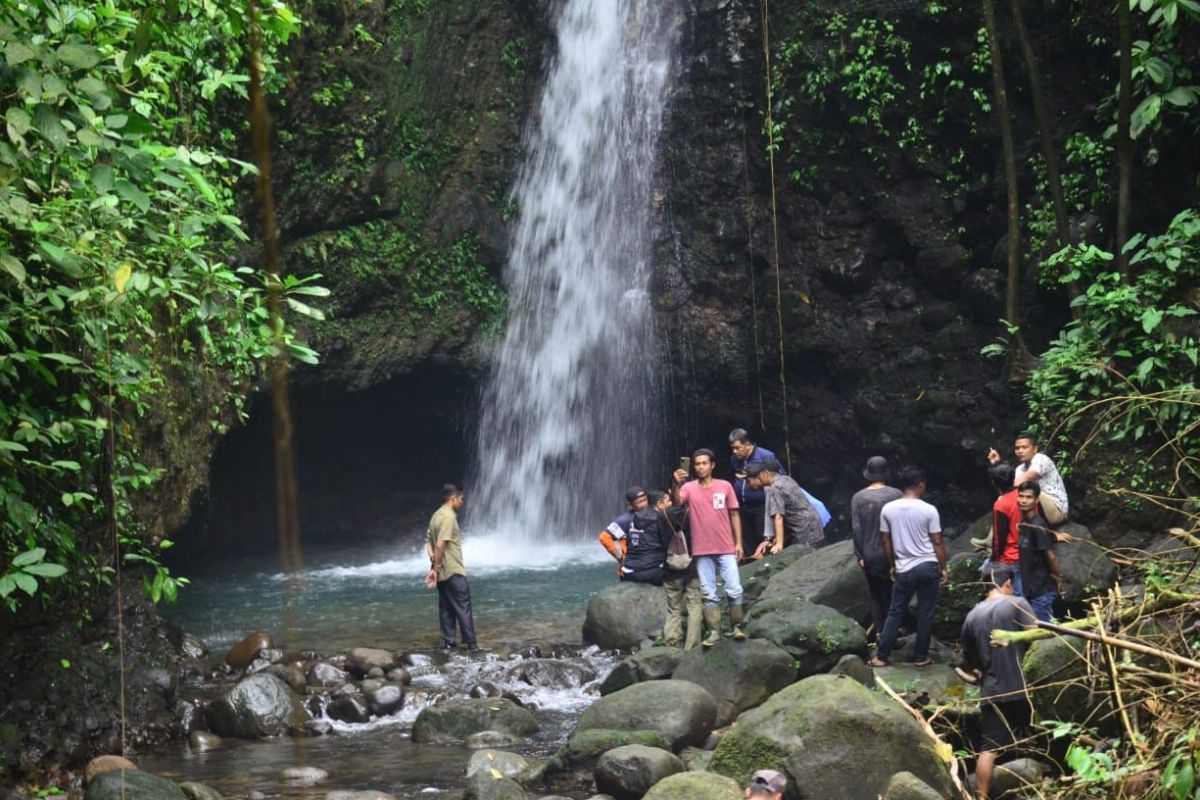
x=1048 y=478
x=801 y=523
x=619 y=527
x=443 y=527
x=1005 y=516
x=1036 y=539
x=911 y=523
x=708 y=511
x=1001 y=666
x=864 y=525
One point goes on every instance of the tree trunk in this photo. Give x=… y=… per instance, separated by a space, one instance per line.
x=1018 y=357
x=1045 y=126
x=1124 y=139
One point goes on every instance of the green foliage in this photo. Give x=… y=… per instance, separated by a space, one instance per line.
x=1136 y=336
x=115 y=208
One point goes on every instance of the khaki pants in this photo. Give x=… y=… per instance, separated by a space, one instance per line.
x=683 y=600
x=1050 y=510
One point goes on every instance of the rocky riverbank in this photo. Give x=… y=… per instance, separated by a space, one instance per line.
x=661 y=723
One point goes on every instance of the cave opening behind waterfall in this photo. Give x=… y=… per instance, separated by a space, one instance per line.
x=370 y=465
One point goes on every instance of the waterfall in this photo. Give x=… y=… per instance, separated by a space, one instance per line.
x=572 y=408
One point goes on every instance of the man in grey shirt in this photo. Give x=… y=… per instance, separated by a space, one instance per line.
x=791 y=519
x=865 y=508
x=912 y=539
x=1005 y=713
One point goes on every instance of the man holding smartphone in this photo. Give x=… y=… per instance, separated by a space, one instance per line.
x=716 y=540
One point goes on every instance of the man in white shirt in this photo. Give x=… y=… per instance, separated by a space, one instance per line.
x=1035 y=466
x=912 y=541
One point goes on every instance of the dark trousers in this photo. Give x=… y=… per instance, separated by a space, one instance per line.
x=880 y=586
x=454 y=605
x=753 y=521
x=921 y=580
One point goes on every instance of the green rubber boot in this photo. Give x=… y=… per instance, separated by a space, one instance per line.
x=712 y=621
x=735 y=616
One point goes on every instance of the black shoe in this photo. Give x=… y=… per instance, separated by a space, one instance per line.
x=472 y=648
x=449 y=647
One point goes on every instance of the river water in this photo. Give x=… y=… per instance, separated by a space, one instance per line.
x=352 y=597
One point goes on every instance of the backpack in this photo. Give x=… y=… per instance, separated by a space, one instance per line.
x=678 y=557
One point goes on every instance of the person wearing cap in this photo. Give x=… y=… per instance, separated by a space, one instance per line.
x=865 y=506
x=752 y=502
x=791 y=519
x=766 y=784
x=447 y=571
x=613 y=538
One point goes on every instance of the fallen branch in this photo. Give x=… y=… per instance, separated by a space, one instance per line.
x=943 y=749
x=1163 y=601
x=1103 y=638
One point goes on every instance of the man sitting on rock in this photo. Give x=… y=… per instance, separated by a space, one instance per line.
x=791 y=519
x=1005 y=712
x=1035 y=466
x=766 y=784
x=613 y=537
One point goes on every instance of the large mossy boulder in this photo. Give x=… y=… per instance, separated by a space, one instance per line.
x=1055 y=671
x=260 y=705
x=1086 y=568
x=740 y=675
x=485 y=785
x=906 y=786
x=585 y=747
x=453 y=721
x=621 y=616
x=627 y=773
x=923 y=686
x=834 y=738
x=757 y=574
x=683 y=712
x=132 y=784
x=829 y=576
x=695 y=786
x=651 y=664
x=815 y=636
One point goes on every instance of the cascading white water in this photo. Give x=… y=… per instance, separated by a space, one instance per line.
x=572 y=408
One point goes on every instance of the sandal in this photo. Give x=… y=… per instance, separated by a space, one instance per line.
x=922 y=662
x=876 y=661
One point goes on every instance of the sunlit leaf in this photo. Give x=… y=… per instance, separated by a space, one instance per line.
x=29 y=557
x=121 y=277
x=13 y=266
x=46 y=570
x=79 y=56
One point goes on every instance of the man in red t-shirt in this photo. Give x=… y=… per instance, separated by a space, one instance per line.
x=716 y=540
x=1006 y=538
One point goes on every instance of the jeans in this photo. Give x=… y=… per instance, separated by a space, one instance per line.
x=726 y=564
x=683 y=601
x=923 y=581
x=880 y=586
x=454 y=606
x=1042 y=604
x=1015 y=569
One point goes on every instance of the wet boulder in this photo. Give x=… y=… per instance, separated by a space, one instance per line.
x=306 y=776
x=695 y=786
x=628 y=772
x=194 y=790
x=102 y=764
x=387 y=699
x=453 y=721
x=245 y=651
x=552 y=673
x=922 y=686
x=964 y=588
x=510 y=765
x=348 y=708
x=325 y=674
x=193 y=647
x=486 y=786
x=651 y=664
x=132 y=784
x=757 y=574
x=260 y=705
x=1086 y=569
x=361 y=660
x=739 y=675
x=829 y=577
x=1054 y=669
x=619 y=617
x=906 y=786
x=203 y=740
x=854 y=667
x=816 y=636
x=822 y=730
x=584 y=747
x=683 y=712
x=493 y=739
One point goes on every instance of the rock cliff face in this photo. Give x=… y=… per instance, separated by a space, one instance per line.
x=400 y=137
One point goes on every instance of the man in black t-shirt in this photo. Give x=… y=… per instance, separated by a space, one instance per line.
x=868 y=543
x=1005 y=711
x=1040 y=577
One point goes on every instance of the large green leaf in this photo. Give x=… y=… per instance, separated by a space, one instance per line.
x=17 y=53
x=18 y=120
x=101 y=177
x=133 y=194
x=26 y=583
x=47 y=123
x=29 y=557
x=46 y=570
x=79 y=56
x=13 y=266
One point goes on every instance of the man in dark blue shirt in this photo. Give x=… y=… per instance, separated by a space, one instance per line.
x=614 y=536
x=751 y=501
